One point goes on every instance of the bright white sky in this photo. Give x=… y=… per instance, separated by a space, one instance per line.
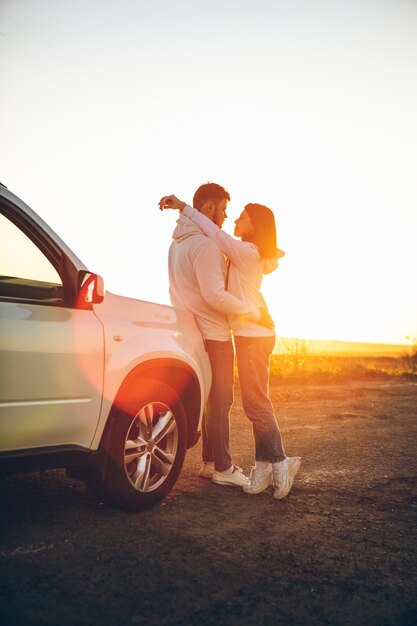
x=307 y=106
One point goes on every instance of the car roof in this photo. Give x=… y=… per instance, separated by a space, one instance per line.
x=22 y=206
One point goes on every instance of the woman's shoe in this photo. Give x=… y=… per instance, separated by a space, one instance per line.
x=259 y=480
x=283 y=480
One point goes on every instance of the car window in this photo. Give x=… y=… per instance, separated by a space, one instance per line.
x=25 y=272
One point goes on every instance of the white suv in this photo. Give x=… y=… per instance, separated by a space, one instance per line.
x=110 y=387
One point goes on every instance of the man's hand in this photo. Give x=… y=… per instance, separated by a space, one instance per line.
x=265 y=319
x=260 y=316
x=171 y=202
x=253 y=316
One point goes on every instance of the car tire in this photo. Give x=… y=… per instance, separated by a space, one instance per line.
x=146 y=447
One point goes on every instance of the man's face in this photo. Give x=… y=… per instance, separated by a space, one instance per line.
x=219 y=214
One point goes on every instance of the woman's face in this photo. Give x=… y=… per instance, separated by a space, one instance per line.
x=243 y=225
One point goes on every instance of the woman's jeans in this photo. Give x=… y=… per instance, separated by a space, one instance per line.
x=216 y=425
x=253 y=354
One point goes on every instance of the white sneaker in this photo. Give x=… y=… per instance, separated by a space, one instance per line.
x=235 y=479
x=282 y=481
x=207 y=470
x=259 y=480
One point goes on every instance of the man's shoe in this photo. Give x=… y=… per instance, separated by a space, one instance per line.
x=283 y=481
x=235 y=479
x=259 y=480
x=207 y=470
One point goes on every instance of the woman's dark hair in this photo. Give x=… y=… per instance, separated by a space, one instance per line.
x=264 y=233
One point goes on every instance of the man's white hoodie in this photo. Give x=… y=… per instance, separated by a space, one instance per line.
x=197 y=272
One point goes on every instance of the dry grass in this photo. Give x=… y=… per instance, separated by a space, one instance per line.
x=293 y=362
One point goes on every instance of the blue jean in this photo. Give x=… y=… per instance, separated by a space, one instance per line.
x=253 y=355
x=216 y=425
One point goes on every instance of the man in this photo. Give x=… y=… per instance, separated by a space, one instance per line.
x=197 y=273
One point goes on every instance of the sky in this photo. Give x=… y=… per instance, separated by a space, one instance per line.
x=307 y=106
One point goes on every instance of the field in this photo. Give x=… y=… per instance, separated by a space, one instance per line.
x=341 y=549
x=303 y=361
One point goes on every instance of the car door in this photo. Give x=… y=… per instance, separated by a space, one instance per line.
x=51 y=353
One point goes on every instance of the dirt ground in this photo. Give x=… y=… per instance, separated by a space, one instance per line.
x=340 y=549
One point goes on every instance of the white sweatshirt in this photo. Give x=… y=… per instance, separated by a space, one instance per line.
x=197 y=270
x=246 y=271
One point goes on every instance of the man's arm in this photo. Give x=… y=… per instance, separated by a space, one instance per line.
x=208 y=263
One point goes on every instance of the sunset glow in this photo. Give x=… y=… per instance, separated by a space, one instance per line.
x=307 y=107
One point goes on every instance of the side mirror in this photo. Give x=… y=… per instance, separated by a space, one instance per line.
x=91 y=289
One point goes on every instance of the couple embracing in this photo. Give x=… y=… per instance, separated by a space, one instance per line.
x=218 y=279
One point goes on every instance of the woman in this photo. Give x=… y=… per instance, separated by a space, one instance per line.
x=249 y=259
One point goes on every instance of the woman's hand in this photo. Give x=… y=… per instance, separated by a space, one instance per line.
x=171 y=202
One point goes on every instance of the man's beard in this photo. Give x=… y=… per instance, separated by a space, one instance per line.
x=217 y=218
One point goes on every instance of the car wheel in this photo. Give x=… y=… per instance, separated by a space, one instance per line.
x=147 y=447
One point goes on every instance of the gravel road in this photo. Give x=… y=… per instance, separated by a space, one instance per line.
x=341 y=549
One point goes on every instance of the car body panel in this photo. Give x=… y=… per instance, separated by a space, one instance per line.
x=138 y=332
x=51 y=388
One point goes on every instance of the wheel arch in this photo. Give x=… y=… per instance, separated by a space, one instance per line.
x=177 y=375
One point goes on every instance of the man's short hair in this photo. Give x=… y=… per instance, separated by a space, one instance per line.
x=209 y=192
